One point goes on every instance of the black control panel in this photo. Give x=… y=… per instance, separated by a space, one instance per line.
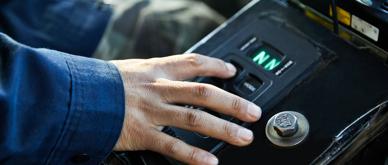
x=271 y=59
x=299 y=72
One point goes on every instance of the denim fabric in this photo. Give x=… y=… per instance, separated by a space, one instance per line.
x=55 y=106
x=72 y=26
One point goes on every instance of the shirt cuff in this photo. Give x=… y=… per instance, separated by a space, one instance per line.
x=96 y=112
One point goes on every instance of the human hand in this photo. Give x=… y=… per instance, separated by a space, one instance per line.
x=154 y=87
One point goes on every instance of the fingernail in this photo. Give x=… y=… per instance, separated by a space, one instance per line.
x=231 y=68
x=211 y=160
x=254 y=111
x=245 y=134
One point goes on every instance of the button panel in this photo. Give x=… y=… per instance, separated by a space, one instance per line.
x=271 y=59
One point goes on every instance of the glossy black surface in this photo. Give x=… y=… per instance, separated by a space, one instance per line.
x=348 y=83
x=343 y=85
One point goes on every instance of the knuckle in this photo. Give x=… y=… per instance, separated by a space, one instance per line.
x=230 y=130
x=201 y=91
x=193 y=118
x=194 y=154
x=149 y=86
x=144 y=106
x=195 y=60
x=221 y=64
x=236 y=105
x=172 y=147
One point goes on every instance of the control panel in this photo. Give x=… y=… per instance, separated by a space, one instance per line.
x=315 y=89
x=271 y=59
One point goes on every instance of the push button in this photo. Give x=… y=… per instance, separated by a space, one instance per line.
x=250 y=84
x=238 y=67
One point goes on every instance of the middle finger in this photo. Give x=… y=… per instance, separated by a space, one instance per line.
x=211 y=97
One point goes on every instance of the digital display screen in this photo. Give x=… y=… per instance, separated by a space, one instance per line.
x=268 y=58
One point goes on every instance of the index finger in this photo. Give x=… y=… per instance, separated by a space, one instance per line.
x=183 y=67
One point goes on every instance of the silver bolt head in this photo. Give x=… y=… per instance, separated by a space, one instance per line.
x=285 y=124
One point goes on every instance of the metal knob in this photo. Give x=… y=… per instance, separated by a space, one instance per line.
x=365 y=2
x=287 y=129
x=285 y=124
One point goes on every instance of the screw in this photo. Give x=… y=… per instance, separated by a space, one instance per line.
x=285 y=124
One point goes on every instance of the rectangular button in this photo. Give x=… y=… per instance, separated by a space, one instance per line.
x=250 y=84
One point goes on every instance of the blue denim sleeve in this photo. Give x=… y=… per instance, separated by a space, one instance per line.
x=72 y=26
x=57 y=108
